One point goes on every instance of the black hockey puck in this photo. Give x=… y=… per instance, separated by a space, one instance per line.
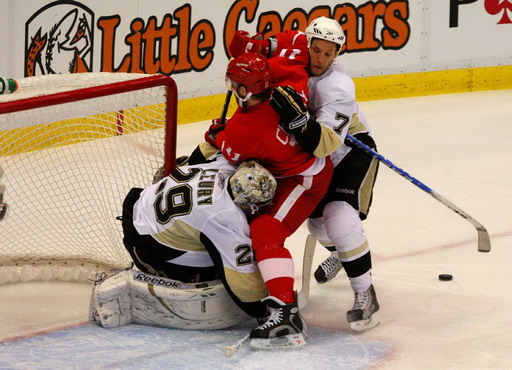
x=445 y=277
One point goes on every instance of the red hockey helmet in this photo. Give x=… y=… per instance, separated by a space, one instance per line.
x=250 y=70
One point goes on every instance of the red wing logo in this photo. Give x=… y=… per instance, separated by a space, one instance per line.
x=494 y=7
x=59 y=39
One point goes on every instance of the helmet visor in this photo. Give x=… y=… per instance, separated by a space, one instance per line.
x=230 y=84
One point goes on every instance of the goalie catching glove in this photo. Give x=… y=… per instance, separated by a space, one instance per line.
x=290 y=106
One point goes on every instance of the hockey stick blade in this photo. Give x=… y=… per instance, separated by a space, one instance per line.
x=307 y=263
x=484 y=242
x=229 y=351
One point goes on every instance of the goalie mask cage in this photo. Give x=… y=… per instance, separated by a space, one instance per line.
x=71 y=147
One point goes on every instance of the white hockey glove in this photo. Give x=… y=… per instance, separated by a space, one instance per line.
x=289 y=105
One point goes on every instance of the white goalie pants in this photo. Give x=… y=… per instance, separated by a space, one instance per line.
x=131 y=296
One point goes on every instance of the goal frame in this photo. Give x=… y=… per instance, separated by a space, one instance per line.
x=77 y=94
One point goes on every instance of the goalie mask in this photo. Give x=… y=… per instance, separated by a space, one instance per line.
x=325 y=29
x=252 y=186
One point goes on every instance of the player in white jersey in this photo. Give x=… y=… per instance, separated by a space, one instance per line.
x=188 y=236
x=336 y=222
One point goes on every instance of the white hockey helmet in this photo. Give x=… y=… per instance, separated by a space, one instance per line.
x=325 y=29
x=252 y=186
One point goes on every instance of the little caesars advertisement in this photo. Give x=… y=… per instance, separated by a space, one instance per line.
x=189 y=40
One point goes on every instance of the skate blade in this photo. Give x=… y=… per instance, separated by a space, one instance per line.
x=363 y=325
x=290 y=341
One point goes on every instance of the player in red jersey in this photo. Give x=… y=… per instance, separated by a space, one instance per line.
x=302 y=180
x=337 y=221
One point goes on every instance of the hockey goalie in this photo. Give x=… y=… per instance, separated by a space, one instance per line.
x=188 y=237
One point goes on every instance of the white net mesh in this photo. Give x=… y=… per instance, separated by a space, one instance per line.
x=67 y=169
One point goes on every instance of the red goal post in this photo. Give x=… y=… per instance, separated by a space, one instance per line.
x=71 y=147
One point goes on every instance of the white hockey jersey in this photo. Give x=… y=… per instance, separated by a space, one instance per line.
x=336 y=106
x=191 y=207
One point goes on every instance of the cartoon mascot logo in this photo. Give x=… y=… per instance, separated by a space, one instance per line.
x=59 y=39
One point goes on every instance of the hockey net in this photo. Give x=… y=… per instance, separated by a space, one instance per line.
x=71 y=147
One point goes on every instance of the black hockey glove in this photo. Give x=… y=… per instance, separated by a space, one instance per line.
x=289 y=105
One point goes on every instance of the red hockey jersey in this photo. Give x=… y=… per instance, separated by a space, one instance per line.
x=289 y=61
x=254 y=133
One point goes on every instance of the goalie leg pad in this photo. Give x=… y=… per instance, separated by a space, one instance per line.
x=110 y=304
x=186 y=307
x=133 y=296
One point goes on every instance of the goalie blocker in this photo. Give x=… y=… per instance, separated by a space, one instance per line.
x=131 y=296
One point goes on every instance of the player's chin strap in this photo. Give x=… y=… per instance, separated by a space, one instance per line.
x=241 y=101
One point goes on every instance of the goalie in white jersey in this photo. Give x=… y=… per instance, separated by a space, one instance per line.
x=188 y=235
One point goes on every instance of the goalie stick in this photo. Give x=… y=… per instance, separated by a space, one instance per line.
x=302 y=297
x=484 y=242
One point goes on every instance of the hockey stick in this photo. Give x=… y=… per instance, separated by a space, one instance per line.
x=226 y=106
x=229 y=351
x=307 y=263
x=302 y=297
x=484 y=242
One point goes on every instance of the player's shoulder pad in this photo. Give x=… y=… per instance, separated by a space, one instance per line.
x=340 y=84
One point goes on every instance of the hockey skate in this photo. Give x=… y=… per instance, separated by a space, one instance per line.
x=363 y=315
x=284 y=329
x=328 y=269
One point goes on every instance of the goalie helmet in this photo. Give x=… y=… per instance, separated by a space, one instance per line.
x=250 y=70
x=325 y=29
x=252 y=186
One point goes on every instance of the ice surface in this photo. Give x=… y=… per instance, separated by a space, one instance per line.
x=460 y=146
